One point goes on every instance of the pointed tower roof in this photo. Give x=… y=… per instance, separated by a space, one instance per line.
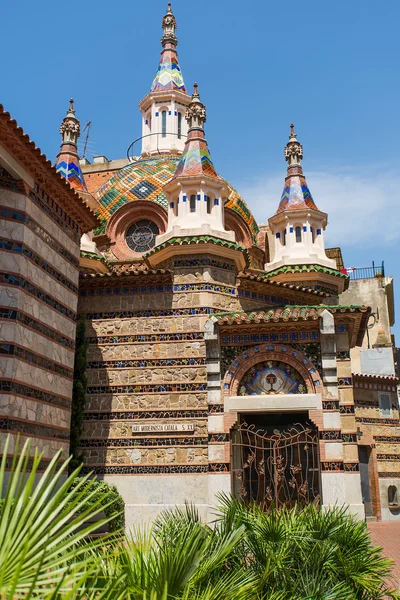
x=169 y=75
x=67 y=162
x=196 y=159
x=296 y=194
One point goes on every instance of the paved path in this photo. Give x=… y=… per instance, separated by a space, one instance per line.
x=387 y=535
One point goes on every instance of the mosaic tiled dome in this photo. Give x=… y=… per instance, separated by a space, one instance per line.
x=144 y=180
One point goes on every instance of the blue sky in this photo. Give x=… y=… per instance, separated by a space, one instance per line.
x=330 y=67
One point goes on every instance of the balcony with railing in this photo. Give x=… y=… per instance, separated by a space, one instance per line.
x=366 y=272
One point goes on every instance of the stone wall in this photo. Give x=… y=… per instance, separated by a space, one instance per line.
x=39 y=253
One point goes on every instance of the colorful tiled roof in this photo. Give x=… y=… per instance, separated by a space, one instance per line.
x=202 y=239
x=196 y=159
x=169 y=75
x=285 y=313
x=260 y=276
x=296 y=194
x=306 y=269
x=144 y=179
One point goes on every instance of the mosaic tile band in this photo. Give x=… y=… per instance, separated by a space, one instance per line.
x=11 y=314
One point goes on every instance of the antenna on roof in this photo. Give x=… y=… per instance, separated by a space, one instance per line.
x=87 y=127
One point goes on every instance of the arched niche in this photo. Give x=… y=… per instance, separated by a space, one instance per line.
x=235 y=223
x=300 y=370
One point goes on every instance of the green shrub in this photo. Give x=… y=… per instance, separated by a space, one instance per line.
x=102 y=493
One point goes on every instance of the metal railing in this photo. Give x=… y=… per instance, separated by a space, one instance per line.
x=366 y=272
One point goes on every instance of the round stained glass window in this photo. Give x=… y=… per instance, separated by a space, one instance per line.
x=141 y=236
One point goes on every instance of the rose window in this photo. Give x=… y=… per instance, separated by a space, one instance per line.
x=141 y=236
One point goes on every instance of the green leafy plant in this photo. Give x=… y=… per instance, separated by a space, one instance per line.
x=44 y=552
x=308 y=553
x=100 y=493
x=78 y=394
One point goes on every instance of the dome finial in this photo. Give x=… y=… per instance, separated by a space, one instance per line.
x=169 y=26
x=293 y=150
x=196 y=111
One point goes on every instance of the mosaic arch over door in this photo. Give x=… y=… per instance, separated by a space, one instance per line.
x=271 y=377
x=294 y=372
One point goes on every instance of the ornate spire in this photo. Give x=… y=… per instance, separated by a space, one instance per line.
x=67 y=162
x=296 y=194
x=169 y=26
x=169 y=75
x=196 y=159
x=196 y=113
x=293 y=150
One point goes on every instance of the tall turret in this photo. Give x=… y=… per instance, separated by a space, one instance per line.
x=67 y=162
x=196 y=192
x=297 y=232
x=163 y=124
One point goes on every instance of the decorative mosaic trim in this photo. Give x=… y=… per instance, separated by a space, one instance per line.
x=389 y=474
x=56 y=214
x=345 y=381
x=144 y=470
x=23 y=250
x=256 y=338
x=330 y=434
x=218 y=467
x=14 y=387
x=147 y=442
x=388 y=457
x=311 y=350
x=393 y=422
x=343 y=355
x=204 y=262
x=18 y=281
x=150 y=337
x=330 y=404
x=215 y=408
x=11 y=314
x=159 y=289
x=10 y=214
x=334 y=466
x=266 y=299
x=215 y=438
x=347 y=409
x=146 y=363
x=351 y=467
x=136 y=314
x=387 y=438
x=157 y=388
x=349 y=438
x=118 y=291
x=131 y=415
x=34 y=429
x=35 y=359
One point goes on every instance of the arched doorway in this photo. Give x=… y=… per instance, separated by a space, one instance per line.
x=275 y=459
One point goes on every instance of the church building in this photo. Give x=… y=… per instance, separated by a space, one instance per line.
x=225 y=355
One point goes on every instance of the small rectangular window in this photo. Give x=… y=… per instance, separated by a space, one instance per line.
x=179 y=125
x=385 y=405
x=164 y=123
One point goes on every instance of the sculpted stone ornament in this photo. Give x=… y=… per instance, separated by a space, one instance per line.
x=169 y=25
x=196 y=111
x=70 y=126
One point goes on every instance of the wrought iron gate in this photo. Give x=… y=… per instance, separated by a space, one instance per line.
x=282 y=468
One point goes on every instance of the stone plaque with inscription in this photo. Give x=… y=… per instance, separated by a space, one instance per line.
x=162 y=427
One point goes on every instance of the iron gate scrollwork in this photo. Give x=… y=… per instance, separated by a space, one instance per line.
x=280 y=468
